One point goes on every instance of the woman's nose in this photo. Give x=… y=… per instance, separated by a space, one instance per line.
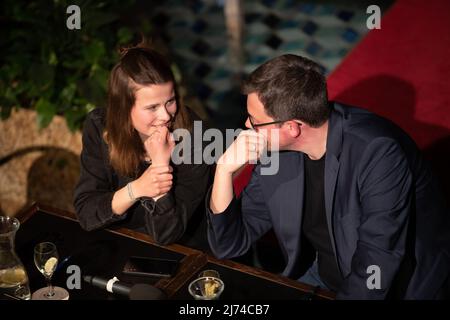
x=163 y=114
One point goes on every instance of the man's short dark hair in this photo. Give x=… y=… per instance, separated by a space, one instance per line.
x=291 y=87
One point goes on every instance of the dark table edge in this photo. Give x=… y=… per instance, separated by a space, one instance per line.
x=192 y=263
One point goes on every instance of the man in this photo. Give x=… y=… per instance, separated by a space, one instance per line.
x=351 y=184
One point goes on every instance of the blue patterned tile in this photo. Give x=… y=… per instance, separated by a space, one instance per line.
x=313 y=48
x=255 y=38
x=269 y=3
x=199 y=26
x=292 y=46
x=203 y=91
x=252 y=17
x=343 y=52
x=326 y=10
x=350 y=35
x=287 y=24
x=307 y=7
x=271 y=20
x=345 y=15
x=219 y=73
x=202 y=70
x=201 y=47
x=160 y=19
x=257 y=59
x=196 y=5
x=310 y=27
x=215 y=9
x=179 y=24
x=217 y=52
x=196 y=32
x=274 y=41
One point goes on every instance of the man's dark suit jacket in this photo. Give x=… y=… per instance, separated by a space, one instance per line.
x=383 y=208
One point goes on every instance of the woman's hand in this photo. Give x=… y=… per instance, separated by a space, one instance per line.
x=154 y=182
x=159 y=146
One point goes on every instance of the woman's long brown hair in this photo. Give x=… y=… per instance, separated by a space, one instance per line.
x=138 y=66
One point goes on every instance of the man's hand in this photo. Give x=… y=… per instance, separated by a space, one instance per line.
x=247 y=147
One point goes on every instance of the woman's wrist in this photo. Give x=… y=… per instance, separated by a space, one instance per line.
x=134 y=190
x=131 y=193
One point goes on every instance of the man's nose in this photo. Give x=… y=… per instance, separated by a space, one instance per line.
x=248 y=125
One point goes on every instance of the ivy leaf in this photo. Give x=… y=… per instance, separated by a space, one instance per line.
x=45 y=112
x=92 y=91
x=93 y=52
x=57 y=70
x=67 y=94
x=53 y=59
x=9 y=96
x=125 y=35
x=100 y=76
x=94 y=19
x=74 y=118
x=42 y=76
x=74 y=64
x=89 y=107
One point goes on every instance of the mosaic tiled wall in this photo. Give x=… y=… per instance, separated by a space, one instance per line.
x=195 y=31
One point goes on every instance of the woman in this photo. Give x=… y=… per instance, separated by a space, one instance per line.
x=126 y=177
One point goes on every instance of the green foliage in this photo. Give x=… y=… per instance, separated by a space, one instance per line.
x=54 y=70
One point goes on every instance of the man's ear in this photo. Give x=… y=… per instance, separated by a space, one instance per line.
x=294 y=128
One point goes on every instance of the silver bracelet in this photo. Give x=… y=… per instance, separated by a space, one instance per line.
x=130 y=192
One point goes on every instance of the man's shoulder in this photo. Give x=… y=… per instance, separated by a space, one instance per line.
x=366 y=126
x=354 y=115
x=362 y=128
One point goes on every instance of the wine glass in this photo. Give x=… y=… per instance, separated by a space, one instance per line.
x=209 y=273
x=207 y=286
x=46 y=260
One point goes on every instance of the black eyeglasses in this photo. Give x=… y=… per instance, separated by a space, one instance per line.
x=264 y=124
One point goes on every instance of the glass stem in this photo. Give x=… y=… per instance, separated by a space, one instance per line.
x=51 y=292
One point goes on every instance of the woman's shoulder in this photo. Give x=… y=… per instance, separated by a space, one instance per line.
x=96 y=118
x=94 y=124
x=97 y=115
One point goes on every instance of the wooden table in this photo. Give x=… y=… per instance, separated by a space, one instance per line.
x=104 y=252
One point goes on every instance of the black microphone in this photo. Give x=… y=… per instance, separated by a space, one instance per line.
x=139 y=291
